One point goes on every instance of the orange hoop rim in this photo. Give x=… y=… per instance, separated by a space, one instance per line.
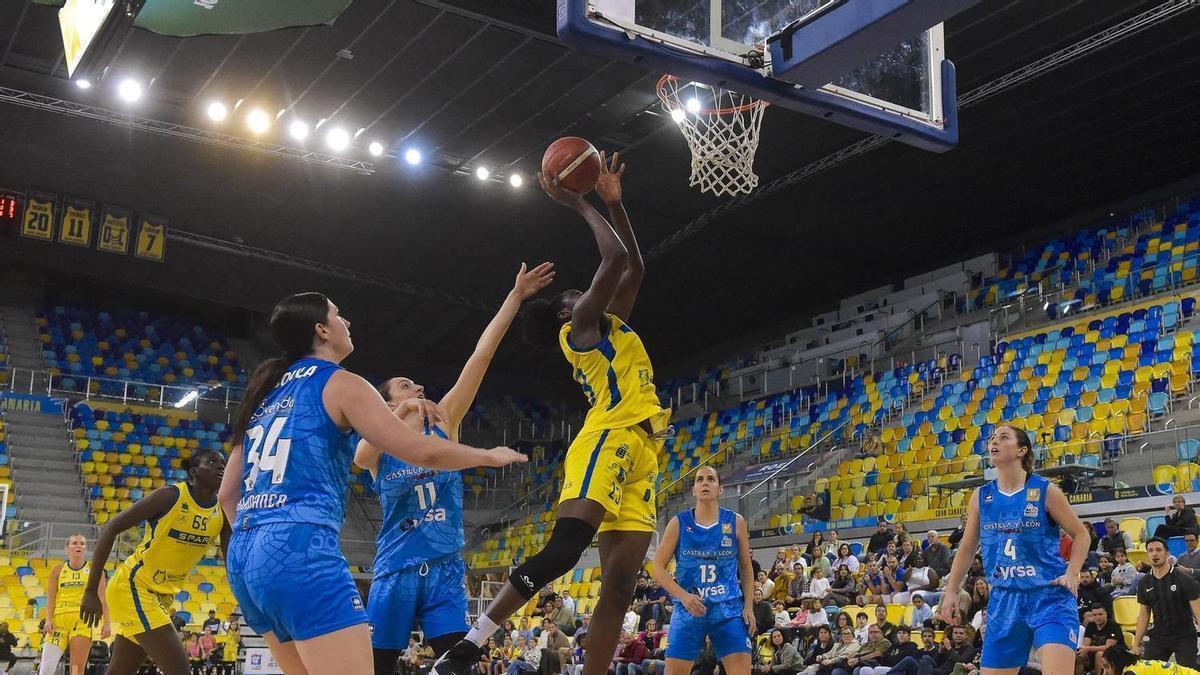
x=672 y=103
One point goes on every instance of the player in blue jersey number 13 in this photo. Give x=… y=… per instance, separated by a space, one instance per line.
x=419 y=568
x=713 y=586
x=1016 y=519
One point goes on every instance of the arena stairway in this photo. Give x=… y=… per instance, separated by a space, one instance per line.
x=45 y=477
x=24 y=350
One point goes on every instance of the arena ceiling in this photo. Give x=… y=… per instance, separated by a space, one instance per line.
x=485 y=82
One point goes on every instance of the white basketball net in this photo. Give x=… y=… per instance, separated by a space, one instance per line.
x=721 y=132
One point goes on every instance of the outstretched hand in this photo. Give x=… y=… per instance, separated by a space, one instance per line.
x=608 y=185
x=529 y=282
x=557 y=192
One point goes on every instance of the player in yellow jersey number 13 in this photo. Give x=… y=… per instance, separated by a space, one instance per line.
x=64 y=629
x=181 y=522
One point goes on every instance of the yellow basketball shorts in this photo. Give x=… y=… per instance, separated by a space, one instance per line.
x=67 y=626
x=132 y=608
x=616 y=468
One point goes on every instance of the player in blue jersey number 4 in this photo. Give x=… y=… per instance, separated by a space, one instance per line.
x=713 y=586
x=1016 y=518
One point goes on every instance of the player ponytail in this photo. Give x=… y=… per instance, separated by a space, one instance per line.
x=292 y=323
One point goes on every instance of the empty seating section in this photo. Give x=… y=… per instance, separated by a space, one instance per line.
x=1107 y=264
x=26 y=579
x=133 y=346
x=125 y=455
x=3 y=358
x=1079 y=389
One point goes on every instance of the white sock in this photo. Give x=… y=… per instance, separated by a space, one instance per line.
x=483 y=629
x=51 y=655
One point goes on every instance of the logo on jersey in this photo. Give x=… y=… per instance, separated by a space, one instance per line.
x=1015 y=571
x=1074 y=638
x=1031 y=511
x=726 y=528
x=183 y=507
x=356 y=602
x=1033 y=494
x=726 y=542
x=987 y=499
x=622 y=451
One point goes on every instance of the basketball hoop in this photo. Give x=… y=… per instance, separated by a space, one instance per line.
x=721 y=128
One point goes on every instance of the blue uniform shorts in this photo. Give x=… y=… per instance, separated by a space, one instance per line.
x=292 y=580
x=432 y=593
x=723 y=624
x=1019 y=620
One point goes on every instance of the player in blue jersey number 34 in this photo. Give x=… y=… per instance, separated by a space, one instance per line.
x=1016 y=519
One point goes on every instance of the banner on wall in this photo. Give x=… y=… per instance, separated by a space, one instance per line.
x=260 y=662
x=755 y=472
x=35 y=403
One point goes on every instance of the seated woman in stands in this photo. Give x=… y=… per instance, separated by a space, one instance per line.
x=1181 y=519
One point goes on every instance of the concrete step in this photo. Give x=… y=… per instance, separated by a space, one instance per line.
x=68 y=486
x=33 y=466
x=51 y=503
x=41 y=447
x=52 y=515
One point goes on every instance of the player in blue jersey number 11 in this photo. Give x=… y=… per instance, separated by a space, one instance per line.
x=713 y=585
x=1016 y=519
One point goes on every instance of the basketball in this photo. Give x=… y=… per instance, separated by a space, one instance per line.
x=575 y=161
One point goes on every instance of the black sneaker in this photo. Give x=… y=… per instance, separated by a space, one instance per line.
x=461 y=659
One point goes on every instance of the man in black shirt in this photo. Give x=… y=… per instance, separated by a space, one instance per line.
x=879 y=540
x=1173 y=597
x=7 y=642
x=1100 y=634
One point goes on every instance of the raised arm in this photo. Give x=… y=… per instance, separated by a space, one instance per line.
x=91 y=609
x=352 y=402
x=590 y=307
x=458 y=400
x=608 y=186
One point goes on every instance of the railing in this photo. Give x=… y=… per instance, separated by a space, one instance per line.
x=125 y=391
x=47 y=540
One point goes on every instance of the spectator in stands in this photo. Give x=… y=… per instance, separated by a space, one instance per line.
x=845 y=589
x=786 y=660
x=1091 y=592
x=1104 y=569
x=817 y=619
x=819 y=647
x=893 y=579
x=881 y=619
x=630 y=654
x=632 y=619
x=1181 y=519
x=1098 y=635
x=490 y=658
x=937 y=554
x=799 y=621
x=920 y=578
x=1114 y=538
x=764 y=616
x=1125 y=576
x=508 y=630
x=411 y=657
x=873 y=588
x=836 y=657
x=957 y=535
x=901 y=648
x=706 y=663
x=981 y=593
x=819 y=586
x=764 y=583
x=563 y=617
x=907 y=553
x=1189 y=560
x=976 y=567
x=782 y=618
x=879 y=541
x=832 y=543
x=556 y=648
x=816 y=547
x=846 y=559
x=783 y=583
x=568 y=602
x=869 y=655
x=212 y=622
x=873 y=446
x=922 y=612
x=208 y=644
x=8 y=641
x=798 y=586
x=959 y=651
x=652 y=637
x=654 y=605
x=902 y=534
x=780 y=566
x=1173 y=596
x=911 y=665
x=191 y=644
x=862 y=626
x=889 y=551
x=521 y=654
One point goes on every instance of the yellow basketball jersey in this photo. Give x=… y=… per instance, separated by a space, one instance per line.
x=1159 y=668
x=174 y=543
x=71 y=583
x=616 y=376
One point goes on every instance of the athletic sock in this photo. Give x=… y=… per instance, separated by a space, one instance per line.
x=483 y=629
x=51 y=655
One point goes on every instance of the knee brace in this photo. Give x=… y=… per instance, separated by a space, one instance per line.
x=569 y=539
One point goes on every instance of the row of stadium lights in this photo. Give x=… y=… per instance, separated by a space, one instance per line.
x=259 y=122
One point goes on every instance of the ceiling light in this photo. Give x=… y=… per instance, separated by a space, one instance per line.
x=187 y=398
x=693 y=105
x=258 y=120
x=376 y=148
x=482 y=173
x=217 y=111
x=677 y=115
x=338 y=139
x=83 y=84
x=298 y=130
x=515 y=180
x=130 y=90
x=412 y=156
